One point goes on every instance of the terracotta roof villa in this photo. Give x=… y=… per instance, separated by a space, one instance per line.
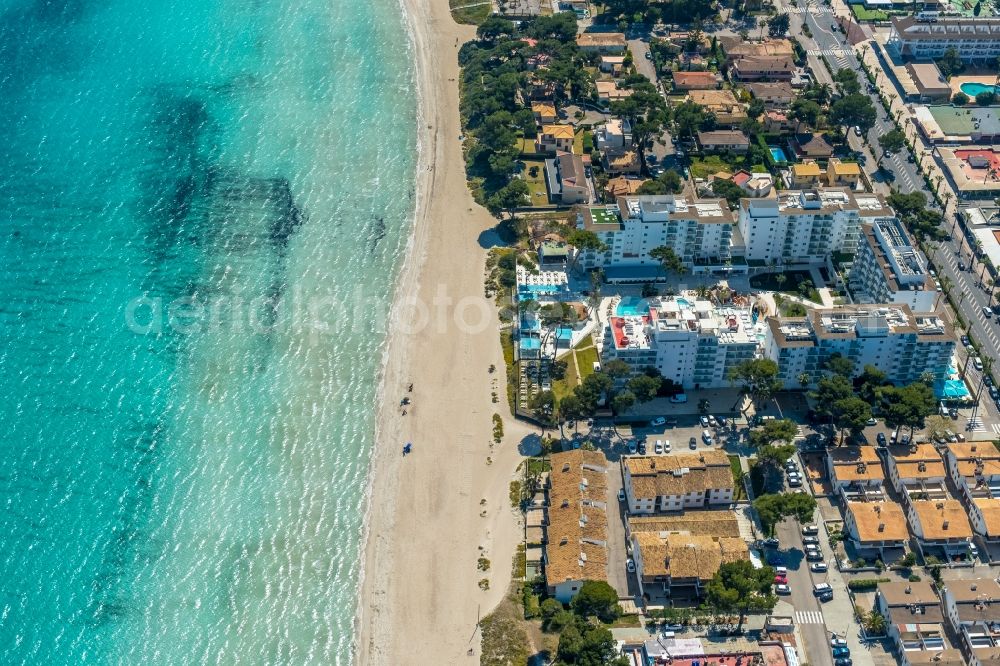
x=974 y=467
x=940 y=524
x=855 y=471
x=876 y=525
x=917 y=468
x=576 y=547
x=973 y=606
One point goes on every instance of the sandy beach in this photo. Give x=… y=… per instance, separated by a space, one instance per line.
x=431 y=512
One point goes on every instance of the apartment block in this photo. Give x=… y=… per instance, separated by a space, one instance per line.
x=975 y=39
x=660 y=484
x=889 y=269
x=915 y=623
x=693 y=343
x=856 y=473
x=806 y=226
x=974 y=468
x=699 y=231
x=917 y=471
x=876 y=527
x=891 y=337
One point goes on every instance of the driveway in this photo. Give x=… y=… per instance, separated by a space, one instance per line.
x=618 y=576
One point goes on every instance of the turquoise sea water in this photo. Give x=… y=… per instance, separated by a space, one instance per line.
x=194 y=494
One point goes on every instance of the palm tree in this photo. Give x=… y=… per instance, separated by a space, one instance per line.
x=805 y=379
x=874 y=622
x=703 y=406
x=762 y=23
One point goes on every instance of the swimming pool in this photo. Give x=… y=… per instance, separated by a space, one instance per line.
x=951 y=389
x=683 y=302
x=972 y=88
x=778 y=154
x=529 y=290
x=632 y=307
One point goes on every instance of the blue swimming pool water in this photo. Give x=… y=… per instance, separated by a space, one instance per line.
x=632 y=307
x=972 y=88
x=530 y=289
x=951 y=388
x=778 y=154
x=531 y=343
x=683 y=302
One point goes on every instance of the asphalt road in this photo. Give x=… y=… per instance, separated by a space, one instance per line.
x=808 y=611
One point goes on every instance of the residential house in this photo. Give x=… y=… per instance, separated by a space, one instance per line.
x=554 y=138
x=612 y=64
x=657 y=484
x=722 y=104
x=806 y=175
x=676 y=556
x=763 y=68
x=939 y=525
x=810 y=145
x=973 y=607
x=737 y=48
x=855 y=472
x=576 y=548
x=622 y=186
x=615 y=133
x=618 y=161
x=540 y=89
x=843 y=174
x=696 y=81
x=917 y=470
x=537 y=61
x=778 y=121
x=778 y=94
x=915 y=623
x=602 y=42
x=876 y=527
x=753 y=183
x=974 y=468
x=544 y=112
x=719 y=141
x=608 y=91
x=984 y=514
x=567 y=179
x=887 y=268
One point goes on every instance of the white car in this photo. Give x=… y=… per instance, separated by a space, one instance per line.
x=657 y=422
x=712 y=421
x=818 y=567
x=782 y=588
x=658 y=447
x=837 y=641
x=704 y=421
x=666 y=446
x=621 y=494
x=630 y=566
x=808 y=530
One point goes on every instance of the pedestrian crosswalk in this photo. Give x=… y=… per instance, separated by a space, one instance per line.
x=996 y=428
x=809 y=617
x=836 y=53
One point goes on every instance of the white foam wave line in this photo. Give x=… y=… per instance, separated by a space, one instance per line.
x=407 y=282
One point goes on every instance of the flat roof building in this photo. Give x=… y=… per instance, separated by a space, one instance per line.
x=876 y=526
x=855 y=472
x=973 y=607
x=975 y=39
x=889 y=269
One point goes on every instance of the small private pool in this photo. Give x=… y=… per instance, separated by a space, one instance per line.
x=973 y=88
x=778 y=154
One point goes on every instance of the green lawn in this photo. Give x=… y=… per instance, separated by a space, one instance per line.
x=562 y=387
x=863 y=14
x=471 y=12
x=703 y=167
x=536 y=183
x=526 y=145
x=734 y=464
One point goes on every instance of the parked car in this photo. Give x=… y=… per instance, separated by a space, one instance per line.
x=872 y=421
x=841 y=652
x=837 y=641
x=630 y=565
x=704 y=421
x=810 y=540
x=953 y=412
x=782 y=588
x=666 y=446
x=810 y=529
x=679 y=399
x=780 y=580
x=657 y=422
x=818 y=567
x=621 y=494
x=843 y=661
x=973 y=551
x=814 y=556
x=978 y=363
x=642 y=447
x=707 y=437
x=821 y=588
x=773 y=543
x=965 y=340
x=780 y=571
x=712 y=421
x=693 y=443
x=987 y=312
x=632 y=447
x=658 y=447
x=794 y=481
x=880 y=438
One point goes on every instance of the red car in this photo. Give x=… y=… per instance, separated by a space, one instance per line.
x=781 y=579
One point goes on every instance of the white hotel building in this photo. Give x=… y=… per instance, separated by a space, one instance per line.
x=901 y=343
x=806 y=226
x=692 y=343
x=699 y=231
x=976 y=39
x=888 y=269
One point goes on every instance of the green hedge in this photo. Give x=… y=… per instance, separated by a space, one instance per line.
x=865 y=584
